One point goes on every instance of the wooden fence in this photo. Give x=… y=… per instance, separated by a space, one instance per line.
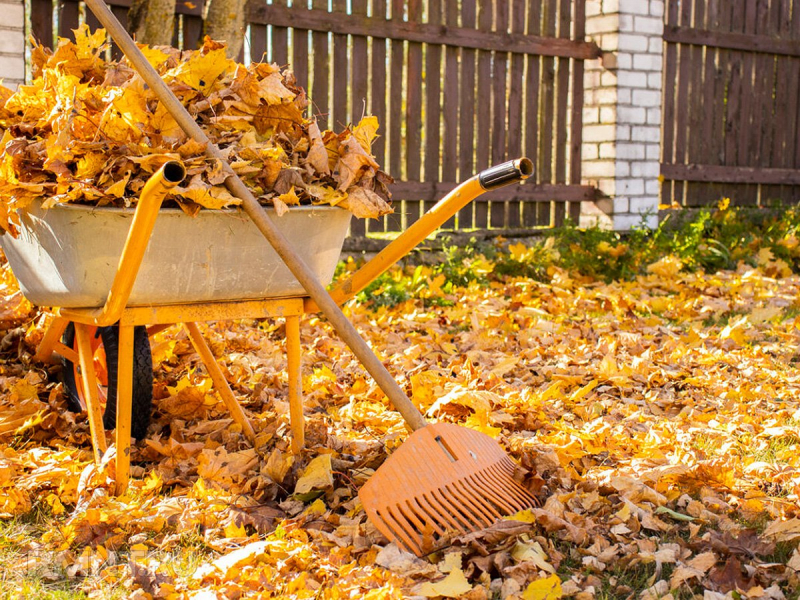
x=732 y=72
x=456 y=85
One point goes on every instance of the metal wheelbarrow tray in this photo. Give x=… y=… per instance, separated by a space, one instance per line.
x=68 y=255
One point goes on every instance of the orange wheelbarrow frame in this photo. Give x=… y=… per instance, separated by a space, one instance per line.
x=116 y=310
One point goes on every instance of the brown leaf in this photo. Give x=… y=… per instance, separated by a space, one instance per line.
x=729 y=577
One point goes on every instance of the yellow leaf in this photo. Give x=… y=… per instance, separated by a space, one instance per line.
x=316 y=508
x=234 y=531
x=323 y=194
x=479 y=422
x=454 y=585
x=548 y=588
x=317 y=153
x=272 y=90
x=366 y=131
x=318 y=475
x=451 y=562
x=117 y=190
x=153 y=55
x=365 y=204
x=524 y=516
x=202 y=71
x=205 y=195
x=289 y=198
x=278 y=464
x=668 y=267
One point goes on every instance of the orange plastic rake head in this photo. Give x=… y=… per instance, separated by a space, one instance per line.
x=444 y=480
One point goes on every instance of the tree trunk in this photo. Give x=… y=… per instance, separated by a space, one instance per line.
x=225 y=21
x=152 y=21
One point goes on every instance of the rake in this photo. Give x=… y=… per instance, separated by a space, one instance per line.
x=444 y=479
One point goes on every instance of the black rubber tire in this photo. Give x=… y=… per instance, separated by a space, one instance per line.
x=142 y=400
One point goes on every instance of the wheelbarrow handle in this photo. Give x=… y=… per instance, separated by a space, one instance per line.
x=157 y=187
x=513 y=171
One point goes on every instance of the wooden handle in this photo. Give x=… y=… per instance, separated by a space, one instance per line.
x=236 y=186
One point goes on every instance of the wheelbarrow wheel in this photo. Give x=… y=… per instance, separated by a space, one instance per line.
x=105 y=351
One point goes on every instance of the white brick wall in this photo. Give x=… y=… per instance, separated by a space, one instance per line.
x=12 y=42
x=622 y=141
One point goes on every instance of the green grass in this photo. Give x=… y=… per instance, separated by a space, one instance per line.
x=708 y=240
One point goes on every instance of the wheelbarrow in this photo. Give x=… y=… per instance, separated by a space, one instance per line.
x=444 y=479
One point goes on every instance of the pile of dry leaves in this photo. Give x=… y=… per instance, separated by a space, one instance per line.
x=658 y=421
x=89 y=130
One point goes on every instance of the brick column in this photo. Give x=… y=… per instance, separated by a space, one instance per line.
x=12 y=42
x=622 y=110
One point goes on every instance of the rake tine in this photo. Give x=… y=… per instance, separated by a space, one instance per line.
x=436 y=521
x=406 y=533
x=387 y=525
x=483 y=507
x=489 y=492
x=422 y=520
x=411 y=517
x=511 y=489
x=464 y=524
x=444 y=516
x=468 y=507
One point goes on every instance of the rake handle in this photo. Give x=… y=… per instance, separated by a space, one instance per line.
x=277 y=240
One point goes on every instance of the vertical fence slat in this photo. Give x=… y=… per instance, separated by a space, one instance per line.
x=483 y=110
x=359 y=65
x=451 y=106
x=300 y=56
x=517 y=72
x=320 y=92
x=745 y=132
x=68 y=18
x=548 y=99
x=414 y=113
x=377 y=99
x=377 y=103
x=433 y=88
x=42 y=21
x=783 y=119
x=747 y=195
x=339 y=73
x=532 y=87
x=499 y=109
x=192 y=32
x=279 y=42
x=561 y=107
x=395 y=94
x=576 y=125
x=682 y=99
x=734 y=92
x=668 y=110
x=711 y=125
x=695 y=143
x=466 y=121
x=762 y=72
x=258 y=42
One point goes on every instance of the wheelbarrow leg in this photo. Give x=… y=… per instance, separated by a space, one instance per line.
x=93 y=409
x=295 y=383
x=52 y=336
x=220 y=384
x=124 y=401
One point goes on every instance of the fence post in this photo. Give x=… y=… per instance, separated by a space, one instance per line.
x=12 y=43
x=622 y=110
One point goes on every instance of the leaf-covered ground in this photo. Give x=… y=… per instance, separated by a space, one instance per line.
x=658 y=420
